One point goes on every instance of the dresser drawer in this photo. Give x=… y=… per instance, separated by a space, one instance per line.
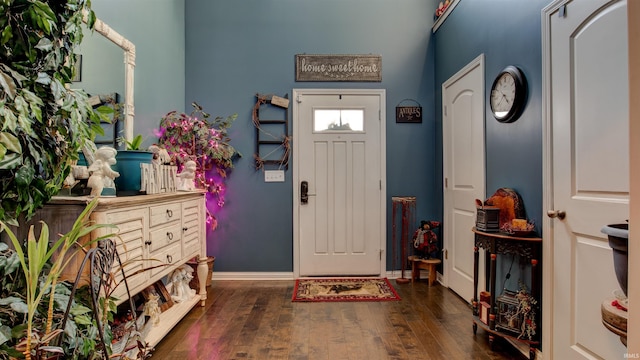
x=162 y=214
x=168 y=255
x=163 y=236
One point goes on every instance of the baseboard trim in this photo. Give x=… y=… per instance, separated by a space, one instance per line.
x=230 y=275
x=218 y=275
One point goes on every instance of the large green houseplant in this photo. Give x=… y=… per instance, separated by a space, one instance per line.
x=43 y=125
x=43 y=122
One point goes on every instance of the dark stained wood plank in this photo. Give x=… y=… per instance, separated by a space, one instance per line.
x=257 y=320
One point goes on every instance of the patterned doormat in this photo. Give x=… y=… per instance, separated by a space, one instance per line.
x=344 y=289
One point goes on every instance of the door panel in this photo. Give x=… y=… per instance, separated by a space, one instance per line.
x=463 y=152
x=343 y=164
x=589 y=169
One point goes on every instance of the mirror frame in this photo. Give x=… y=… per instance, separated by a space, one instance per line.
x=129 y=65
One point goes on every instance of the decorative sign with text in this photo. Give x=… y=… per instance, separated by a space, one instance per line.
x=339 y=68
x=409 y=114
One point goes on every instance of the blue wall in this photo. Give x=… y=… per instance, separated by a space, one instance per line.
x=508 y=33
x=235 y=49
x=229 y=50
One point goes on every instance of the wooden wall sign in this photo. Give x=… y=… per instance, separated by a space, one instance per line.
x=339 y=68
x=409 y=114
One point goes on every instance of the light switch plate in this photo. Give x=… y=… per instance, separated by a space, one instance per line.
x=274 y=176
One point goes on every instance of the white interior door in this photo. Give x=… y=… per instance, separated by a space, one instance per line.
x=588 y=170
x=464 y=172
x=339 y=207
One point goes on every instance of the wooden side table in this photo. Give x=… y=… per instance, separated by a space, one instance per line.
x=496 y=243
x=614 y=319
x=418 y=264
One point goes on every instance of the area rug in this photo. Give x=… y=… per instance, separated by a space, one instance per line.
x=344 y=289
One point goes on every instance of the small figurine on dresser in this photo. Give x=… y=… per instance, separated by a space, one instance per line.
x=160 y=155
x=101 y=178
x=187 y=176
x=180 y=278
x=152 y=309
x=425 y=240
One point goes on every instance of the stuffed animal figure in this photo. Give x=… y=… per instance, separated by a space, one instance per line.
x=425 y=241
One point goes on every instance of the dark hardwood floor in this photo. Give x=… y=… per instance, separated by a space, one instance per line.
x=257 y=320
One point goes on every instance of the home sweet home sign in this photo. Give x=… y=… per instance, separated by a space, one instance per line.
x=339 y=68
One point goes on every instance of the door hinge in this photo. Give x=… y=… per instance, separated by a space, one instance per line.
x=562 y=11
x=298 y=100
x=446 y=253
x=446 y=183
x=380 y=184
x=445 y=111
x=381 y=251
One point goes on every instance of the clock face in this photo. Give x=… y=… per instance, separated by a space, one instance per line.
x=503 y=94
x=507 y=94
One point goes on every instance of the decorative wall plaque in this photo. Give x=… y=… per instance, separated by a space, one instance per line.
x=409 y=114
x=339 y=68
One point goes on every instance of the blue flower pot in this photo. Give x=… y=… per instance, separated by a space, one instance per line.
x=128 y=165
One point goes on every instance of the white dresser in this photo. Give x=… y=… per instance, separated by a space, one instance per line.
x=156 y=234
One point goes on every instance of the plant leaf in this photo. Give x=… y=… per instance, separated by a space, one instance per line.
x=8 y=85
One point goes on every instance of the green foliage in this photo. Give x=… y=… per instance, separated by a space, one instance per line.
x=43 y=123
x=42 y=269
x=134 y=144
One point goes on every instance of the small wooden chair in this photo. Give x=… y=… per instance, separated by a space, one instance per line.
x=418 y=264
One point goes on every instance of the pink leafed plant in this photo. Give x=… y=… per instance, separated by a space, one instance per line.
x=196 y=137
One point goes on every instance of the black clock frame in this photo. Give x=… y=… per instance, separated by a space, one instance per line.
x=520 y=96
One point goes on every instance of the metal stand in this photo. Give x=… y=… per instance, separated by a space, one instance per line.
x=407 y=205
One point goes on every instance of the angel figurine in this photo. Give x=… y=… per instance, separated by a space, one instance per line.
x=187 y=176
x=152 y=309
x=101 y=178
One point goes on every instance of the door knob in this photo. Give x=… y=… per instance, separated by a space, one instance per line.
x=556 y=214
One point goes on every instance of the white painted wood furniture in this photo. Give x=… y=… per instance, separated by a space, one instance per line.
x=157 y=234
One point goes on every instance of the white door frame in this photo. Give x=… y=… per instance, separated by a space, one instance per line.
x=296 y=176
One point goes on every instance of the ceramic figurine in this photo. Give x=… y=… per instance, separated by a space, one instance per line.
x=101 y=178
x=180 y=278
x=160 y=155
x=152 y=309
x=187 y=176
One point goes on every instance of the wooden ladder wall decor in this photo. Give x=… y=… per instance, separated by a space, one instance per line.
x=272 y=133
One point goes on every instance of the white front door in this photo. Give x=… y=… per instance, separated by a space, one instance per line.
x=464 y=174
x=339 y=181
x=587 y=171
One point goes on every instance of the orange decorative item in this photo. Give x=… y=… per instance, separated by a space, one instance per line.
x=510 y=204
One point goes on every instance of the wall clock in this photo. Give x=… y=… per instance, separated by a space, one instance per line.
x=508 y=94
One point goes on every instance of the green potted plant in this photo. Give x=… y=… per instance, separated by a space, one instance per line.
x=128 y=165
x=44 y=125
x=45 y=122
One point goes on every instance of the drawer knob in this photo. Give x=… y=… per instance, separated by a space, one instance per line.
x=169 y=235
x=169 y=213
x=169 y=259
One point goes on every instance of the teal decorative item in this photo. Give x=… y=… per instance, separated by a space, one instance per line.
x=128 y=165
